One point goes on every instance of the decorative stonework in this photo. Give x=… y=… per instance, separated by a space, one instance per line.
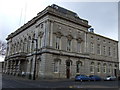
x=40 y=34
x=58 y=34
x=79 y=39
x=70 y=37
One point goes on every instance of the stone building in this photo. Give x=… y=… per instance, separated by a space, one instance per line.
x=57 y=43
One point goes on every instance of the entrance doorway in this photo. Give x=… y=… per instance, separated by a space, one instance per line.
x=68 y=65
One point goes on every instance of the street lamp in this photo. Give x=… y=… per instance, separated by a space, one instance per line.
x=34 y=72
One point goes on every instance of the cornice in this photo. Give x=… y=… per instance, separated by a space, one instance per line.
x=49 y=11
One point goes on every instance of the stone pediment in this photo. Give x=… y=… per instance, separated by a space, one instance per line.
x=58 y=34
x=79 y=39
x=70 y=37
x=40 y=34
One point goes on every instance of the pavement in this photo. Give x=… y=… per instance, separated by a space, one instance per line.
x=10 y=81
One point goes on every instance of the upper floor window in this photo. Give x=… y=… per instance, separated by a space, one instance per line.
x=28 y=44
x=57 y=43
x=109 y=51
x=114 y=52
x=91 y=47
x=79 y=47
x=98 y=49
x=69 y=45
x=104 y=50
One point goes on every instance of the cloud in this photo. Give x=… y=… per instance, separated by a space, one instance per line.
x=102 y=16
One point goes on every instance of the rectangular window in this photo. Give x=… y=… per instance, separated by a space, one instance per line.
x=104 y=68
x=109 y=51
x=40 y=42
x=98 y=49
x=104 y=50
x=57 y=43
x=98 y=68
x=69 y=45
x=56 y=66
x=92 y=47
x=91 y=69
x=79 y=47
x=114 y=52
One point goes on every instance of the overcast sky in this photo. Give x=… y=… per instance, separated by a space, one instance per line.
x=102 y=16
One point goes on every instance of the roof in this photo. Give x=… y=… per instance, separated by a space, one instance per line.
x=55 y=11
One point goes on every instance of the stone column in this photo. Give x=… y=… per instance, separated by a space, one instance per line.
x=14 y=62
x=85 y=48
x=9 y=53
x=18 y=67
x=11 y=66
x=51 y=33
x=47 y=32
x=7 y=64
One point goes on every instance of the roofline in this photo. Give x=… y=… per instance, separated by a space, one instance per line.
x=50 y=11
x=103 y=36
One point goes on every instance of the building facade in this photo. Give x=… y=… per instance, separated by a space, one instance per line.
x=58 y=44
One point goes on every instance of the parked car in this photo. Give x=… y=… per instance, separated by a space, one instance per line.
x=95 y=78
x=81 y=78
x=110 y=78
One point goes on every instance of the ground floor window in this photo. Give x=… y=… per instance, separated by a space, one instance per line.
x=92 y=67
x=98 y=67
x=78 y=65
x=56 y=65
x=104 y=68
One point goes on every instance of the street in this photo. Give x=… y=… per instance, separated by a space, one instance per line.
x=9 y=81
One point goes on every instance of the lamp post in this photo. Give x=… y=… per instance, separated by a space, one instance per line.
x=34 y=72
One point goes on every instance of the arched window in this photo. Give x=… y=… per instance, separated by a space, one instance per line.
x=92 y=65
x=78 y=65
x=110 y=68
x=98 y=67
x=104 y=67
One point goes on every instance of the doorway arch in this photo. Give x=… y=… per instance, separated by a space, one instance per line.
x=68 y=70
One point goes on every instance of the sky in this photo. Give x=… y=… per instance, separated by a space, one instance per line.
x=102 y=16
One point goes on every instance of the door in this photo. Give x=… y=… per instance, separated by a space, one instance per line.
x=68 y=69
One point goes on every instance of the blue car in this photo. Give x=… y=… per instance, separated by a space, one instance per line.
x=94 y=78
x=81 y=78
